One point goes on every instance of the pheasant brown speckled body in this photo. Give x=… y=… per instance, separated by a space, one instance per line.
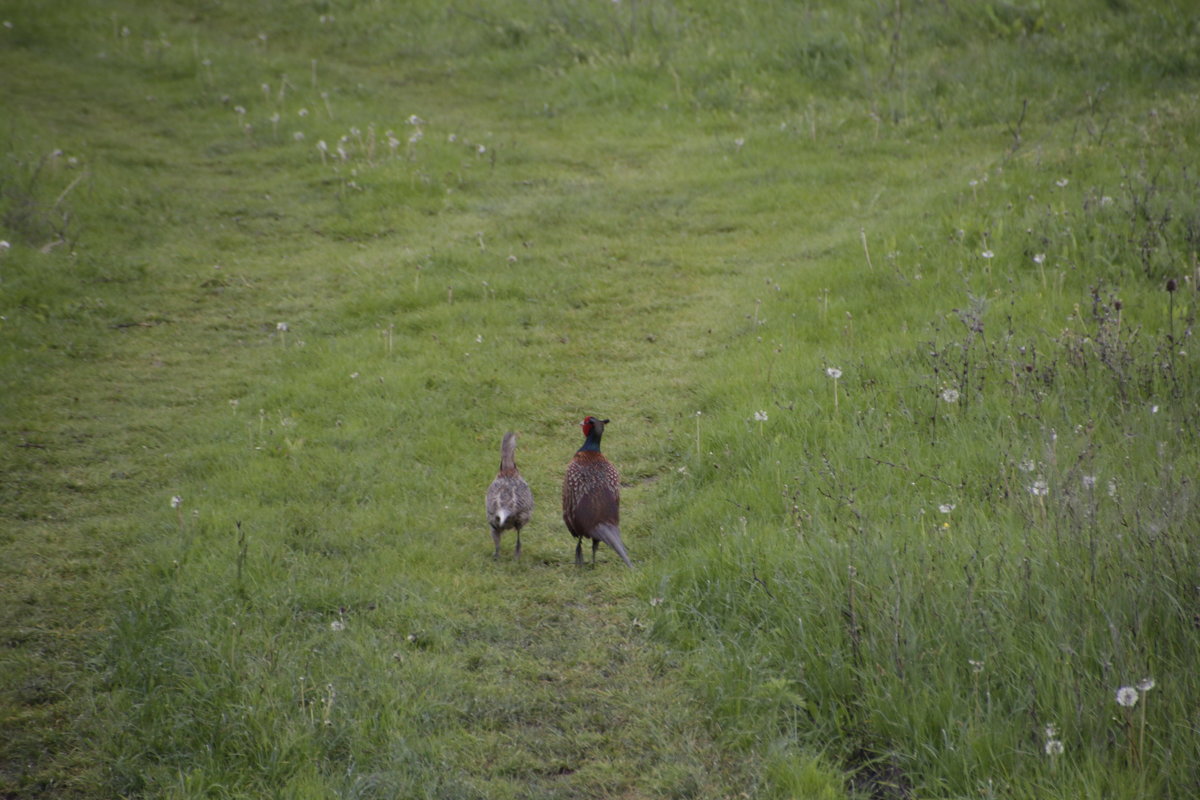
x=592 y=496
x=509 y=500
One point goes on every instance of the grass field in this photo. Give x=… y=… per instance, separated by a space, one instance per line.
x=891 y=306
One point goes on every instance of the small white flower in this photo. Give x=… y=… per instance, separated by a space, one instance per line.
x=950 y=395
x=1026 y=465
x=239 y=110
x=479 y=339
x=1154 y=409
x=302 y=112
x=337 y=625
x=1127 y=696
x=976 y=666
x=946 y=508
x=1089 y=482
x=1106 y=201
x=656 y=601
x=324 y=148
x=298 y=136
x=1061 y=182
x=281 y=326
x=1039 y=258
x=1112 y=487
x=833 y=372
x=415 y=120
x=4 y=245
x=739 y=143
x=1051 y=731
x=760 y=416
x=1145 y=684
x=988 y=254
x=481 y=149
x=452 y=138
x=353 y=376
x=1039 y=488
x=1054 y=747
x=416 y=137
x=176 y=501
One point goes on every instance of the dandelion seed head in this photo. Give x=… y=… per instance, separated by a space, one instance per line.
x=1054 y=747
x=1039 y=258
x=1026 y=465
x=950 y=395
x=281 y=326
x=833 y=372
x=1127 y=697
x=1089 y=482
x=946 y=508
x=176 y=501
x=298 y=136
x=1061 y=182
x=1145 y=684
x=337 y=625
x=987 y=254
x=1039 y=488
x=760 y=416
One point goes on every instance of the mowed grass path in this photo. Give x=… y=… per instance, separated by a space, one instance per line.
x=148 y=362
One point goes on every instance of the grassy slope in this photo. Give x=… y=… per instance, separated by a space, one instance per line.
x=660 y=268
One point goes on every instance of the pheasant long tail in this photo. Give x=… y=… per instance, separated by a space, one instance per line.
x=611 y=535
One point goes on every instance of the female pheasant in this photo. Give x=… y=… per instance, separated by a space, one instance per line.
x=509 y=501
x=592 y=496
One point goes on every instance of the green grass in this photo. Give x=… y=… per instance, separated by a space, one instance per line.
x=677 y=215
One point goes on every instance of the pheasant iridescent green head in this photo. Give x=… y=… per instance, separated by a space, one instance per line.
x=593 y=428
x=590 y=424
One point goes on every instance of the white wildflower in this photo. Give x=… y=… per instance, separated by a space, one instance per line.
x=760 y=416
x=1127 y=696
x=176 y=501
x=833 y=372
x=950 y=395
x=1145 y=684
x=946 y=508
x=1039 y=488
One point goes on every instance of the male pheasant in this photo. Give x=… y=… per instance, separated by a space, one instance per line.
x=592 y=496
x=509 y=501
